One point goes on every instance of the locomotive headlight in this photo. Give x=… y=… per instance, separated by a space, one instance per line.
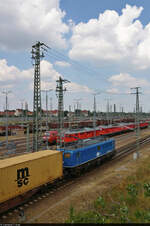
x=67 y=155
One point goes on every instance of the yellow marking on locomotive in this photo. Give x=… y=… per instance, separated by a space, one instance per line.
x=67 y=155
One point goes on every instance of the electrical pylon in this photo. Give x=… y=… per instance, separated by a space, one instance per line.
x=59 y=92
x=37 y=54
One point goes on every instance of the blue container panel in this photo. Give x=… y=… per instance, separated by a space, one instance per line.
x=83 y=155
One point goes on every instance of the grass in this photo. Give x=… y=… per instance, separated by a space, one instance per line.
x=128 y=202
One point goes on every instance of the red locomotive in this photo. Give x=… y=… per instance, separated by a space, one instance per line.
x=51 y=136
x=71 y=136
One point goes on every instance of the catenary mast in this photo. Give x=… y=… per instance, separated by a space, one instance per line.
x=137 y=120
x=59 y=92
x=37 y=54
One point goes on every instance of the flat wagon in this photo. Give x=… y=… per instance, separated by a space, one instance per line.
x=23 y=174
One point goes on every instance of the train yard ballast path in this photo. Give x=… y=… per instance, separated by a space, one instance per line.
x=76 y=158
x=60 y=195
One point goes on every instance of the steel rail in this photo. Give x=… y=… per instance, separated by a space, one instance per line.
x=120 y=153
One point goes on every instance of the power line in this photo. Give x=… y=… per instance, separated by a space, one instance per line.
x=59 y=56
x=66 y=58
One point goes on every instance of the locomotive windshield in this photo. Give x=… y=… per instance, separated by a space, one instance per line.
x=47 y=134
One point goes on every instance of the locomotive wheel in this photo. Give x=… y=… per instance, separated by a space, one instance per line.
x=77 y=172
x=98 y=162
x=73 y=172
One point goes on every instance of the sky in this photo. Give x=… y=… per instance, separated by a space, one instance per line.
x=101 y=47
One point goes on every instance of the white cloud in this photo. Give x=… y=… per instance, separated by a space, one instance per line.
x=48 y=85
x=114 y=38
x=12 y=73
x=126 y=80
x=23 y=22
x=62 y=64
x=6 y=87
x=49 y=75
x=112 y=91
x=7 y=73
x=71 y=23
x=74 y=87
x=48 y=72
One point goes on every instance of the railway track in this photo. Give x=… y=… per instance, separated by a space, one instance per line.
x=67 y=181
x=21 y=145
x=130 y=148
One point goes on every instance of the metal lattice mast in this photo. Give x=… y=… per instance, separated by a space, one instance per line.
x=94 y=116
x=94 y=112
x=137 y=122
x=77 y=109
x=70 y=117
x=51 y=108
x=59 y=93
x=37 y=54
x=6 y=93
x=108 y=110
x=46 y=91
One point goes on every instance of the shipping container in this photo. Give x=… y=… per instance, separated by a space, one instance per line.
x=26 y=172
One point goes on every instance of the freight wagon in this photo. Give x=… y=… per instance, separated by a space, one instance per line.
x=22 y=176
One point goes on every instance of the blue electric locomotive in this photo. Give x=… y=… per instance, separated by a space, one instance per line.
x=76 y=157
x=85 y=152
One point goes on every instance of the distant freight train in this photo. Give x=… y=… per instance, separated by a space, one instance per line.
x=22 y=176
x=73 y=136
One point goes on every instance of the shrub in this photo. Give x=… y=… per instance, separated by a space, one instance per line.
x=147 y=189
x=99 y=202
